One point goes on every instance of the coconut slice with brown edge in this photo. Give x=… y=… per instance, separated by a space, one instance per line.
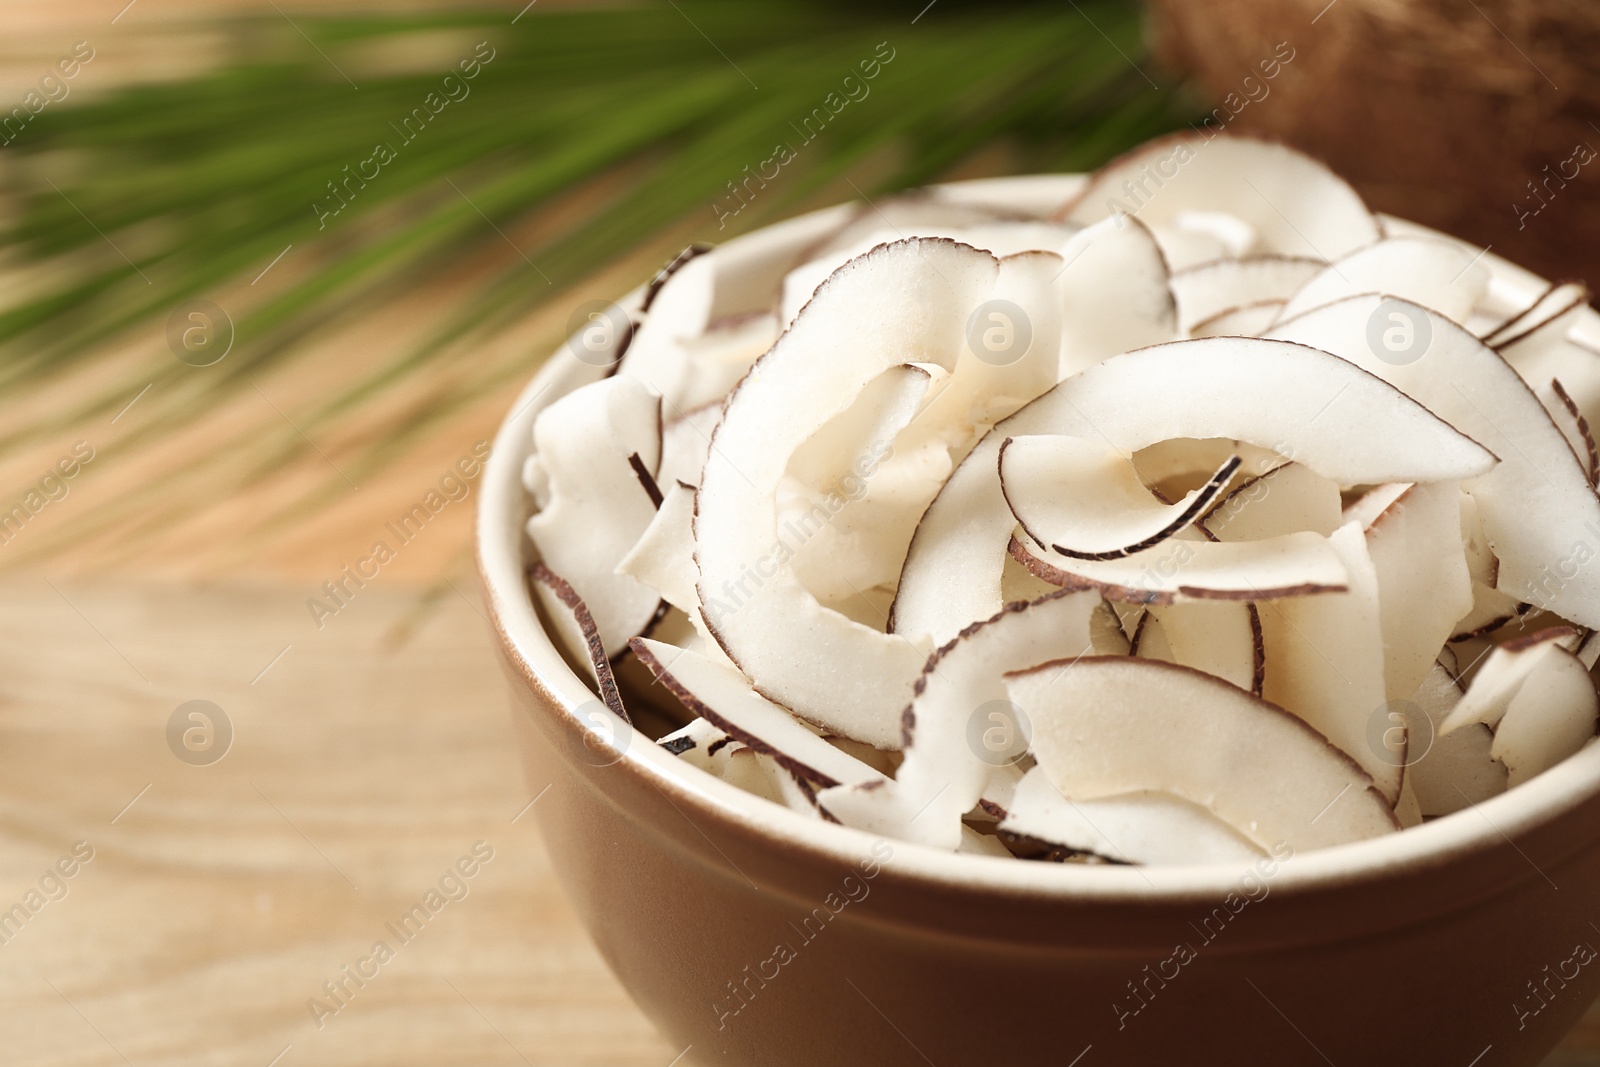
x=1424 y=587
x=1287 y=499
x=1181 y=465
x=685 y=631
x=663 y=557
x=1085 y=500
x=1262 y=391
x=1557 y=308
x=1113 y=294
x=1574 y=426
x=1250 y=320
x=1180 y=569
x=677 y=308
x=698 y=743
x=905 y=302
x=685 y=441
x=1491 y=609
x=579 y=634
x=1537 y=697
x=996 y=798
x=758 y=774
x=1110 y=725
x=884 y=407
x=1537 y=503
x=851 y=494
x=899 y=218
x=1447 y=772
x=723 y=697
x=959 y=725
x=705 y=745
x=1436 y=274
x=1001 y=238
x=1287 y=397
x=1143 y=828
x=1106 y=633
x=713 y=362
x=1543 y=345
x=1295 y=205
x=1013 y=353
x=1325 y=662
x=1221 y=637
x=1008 y=237
x=598 y=449
x=1577 y=368
x=1147 y=638
x=1210 y=290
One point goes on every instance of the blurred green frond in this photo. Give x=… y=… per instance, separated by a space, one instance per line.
x=634 y=118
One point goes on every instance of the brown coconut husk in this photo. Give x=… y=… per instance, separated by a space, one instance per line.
x=1441 y=111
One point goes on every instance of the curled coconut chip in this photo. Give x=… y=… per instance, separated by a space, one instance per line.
x=723 y=697
x=1537 y=698
x=1325 y=661
x=1208 y=291
x=1107 y=726
x=1221 y=637
x=1536 y=502
x=1439 y=275
x=1289 y=397
x=825 y=666
x=593 y=506
x=956 y=728
x=1140 y=828
x=1295 y=565
x=1574 y=426
x=1290 y=204
x=1554 y=312
x=580 y=635
x=1458 y=769
x=1086 y=501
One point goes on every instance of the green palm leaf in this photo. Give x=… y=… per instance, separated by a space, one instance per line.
x=605 y=126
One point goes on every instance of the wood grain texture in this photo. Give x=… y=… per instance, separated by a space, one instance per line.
x=220 y=901
x=367 y=760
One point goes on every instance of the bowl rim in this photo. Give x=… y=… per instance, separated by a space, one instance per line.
x=533 y=655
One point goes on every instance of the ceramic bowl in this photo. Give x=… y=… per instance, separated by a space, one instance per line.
x=751 y=935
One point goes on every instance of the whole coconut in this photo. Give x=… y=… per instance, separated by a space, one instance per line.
x=1477 y=117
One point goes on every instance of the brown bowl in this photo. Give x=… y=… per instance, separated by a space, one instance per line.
x=756 y=936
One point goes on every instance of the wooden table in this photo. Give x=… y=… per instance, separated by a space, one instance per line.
x=368 y=756
x=220 y=898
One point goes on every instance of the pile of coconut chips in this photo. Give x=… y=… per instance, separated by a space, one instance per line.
x=1206 y=516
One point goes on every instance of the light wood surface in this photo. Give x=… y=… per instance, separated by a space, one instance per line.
x=218 y=903
x=369 y=756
